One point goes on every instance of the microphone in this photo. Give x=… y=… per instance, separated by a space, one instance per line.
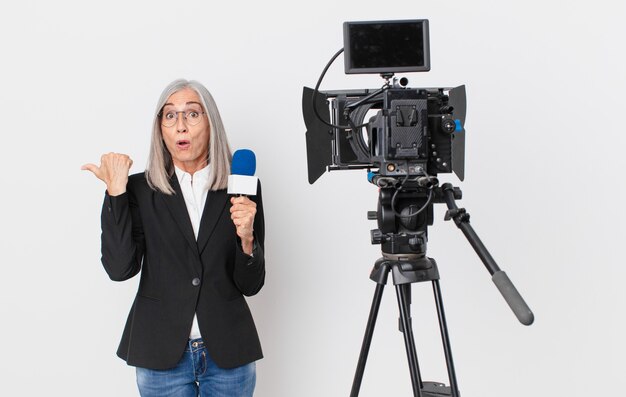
x=241 y=180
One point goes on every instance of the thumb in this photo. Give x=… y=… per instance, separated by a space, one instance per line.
x=91 y=167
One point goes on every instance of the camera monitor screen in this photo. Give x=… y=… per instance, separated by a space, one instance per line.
x=386 y=46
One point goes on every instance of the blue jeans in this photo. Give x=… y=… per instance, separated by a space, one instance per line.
x=197 y=375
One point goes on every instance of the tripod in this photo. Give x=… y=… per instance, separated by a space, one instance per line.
x=403 y=236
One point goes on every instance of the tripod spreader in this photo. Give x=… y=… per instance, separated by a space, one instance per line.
x=499 y=277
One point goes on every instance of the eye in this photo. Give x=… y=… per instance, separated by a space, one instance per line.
x=169 y=116
x=193 y=114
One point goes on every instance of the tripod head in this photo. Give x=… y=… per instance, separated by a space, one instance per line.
x=405 y=210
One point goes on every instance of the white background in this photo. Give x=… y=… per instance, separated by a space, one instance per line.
x=544 y=185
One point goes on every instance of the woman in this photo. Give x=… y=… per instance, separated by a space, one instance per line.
x=189 y=331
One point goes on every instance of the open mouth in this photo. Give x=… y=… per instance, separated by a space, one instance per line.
x=183 y=144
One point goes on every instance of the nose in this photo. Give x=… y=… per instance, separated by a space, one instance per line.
x=181 y=122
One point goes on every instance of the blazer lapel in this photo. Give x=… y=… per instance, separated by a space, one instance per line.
x=213 y=210
x=176 y=205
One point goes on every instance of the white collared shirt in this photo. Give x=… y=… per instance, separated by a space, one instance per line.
x=195 y=189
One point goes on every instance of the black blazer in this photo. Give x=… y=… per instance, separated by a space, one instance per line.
x=148 y=231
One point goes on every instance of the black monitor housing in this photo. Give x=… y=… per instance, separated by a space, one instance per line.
x=386 y=46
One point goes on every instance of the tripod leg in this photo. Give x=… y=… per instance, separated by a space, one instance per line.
x=409 y=342
x=367 y=340
x=445 y=339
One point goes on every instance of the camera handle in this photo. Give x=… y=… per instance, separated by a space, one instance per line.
x=499 y=277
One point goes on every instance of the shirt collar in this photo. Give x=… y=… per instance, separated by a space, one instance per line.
x=200 y=175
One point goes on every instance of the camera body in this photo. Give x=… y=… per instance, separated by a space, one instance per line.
x=413 y=131
x=409 y=132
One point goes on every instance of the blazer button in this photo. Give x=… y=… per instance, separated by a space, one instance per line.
x=195 y=282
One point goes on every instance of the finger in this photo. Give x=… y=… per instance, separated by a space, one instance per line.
x=242 y=215
x=245 y=229
x=241 y=200
x=243 y=222
x=116 y=158
x=244 y=207
x=247 y=211
x=91 y=167
x=88 y=167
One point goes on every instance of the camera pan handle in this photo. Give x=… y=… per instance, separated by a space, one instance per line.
x=501 y=280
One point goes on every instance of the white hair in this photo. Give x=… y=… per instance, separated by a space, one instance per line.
x=160 y=165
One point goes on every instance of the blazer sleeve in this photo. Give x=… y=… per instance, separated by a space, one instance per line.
x=249 y=272
x=123 y=243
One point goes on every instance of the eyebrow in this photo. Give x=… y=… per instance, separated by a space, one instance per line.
x=187 y=103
